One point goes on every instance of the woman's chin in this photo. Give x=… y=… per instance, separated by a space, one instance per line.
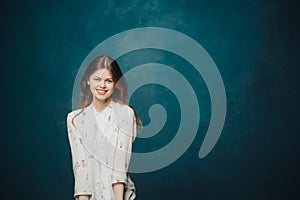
x=103 y=98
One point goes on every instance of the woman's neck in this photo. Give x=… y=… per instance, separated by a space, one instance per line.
x=101 y=105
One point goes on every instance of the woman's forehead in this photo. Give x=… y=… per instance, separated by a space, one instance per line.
x=103 y=73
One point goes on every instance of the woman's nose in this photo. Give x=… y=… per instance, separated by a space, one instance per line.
x=101 y=83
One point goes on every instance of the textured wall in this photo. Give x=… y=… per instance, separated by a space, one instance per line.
x=253 y=43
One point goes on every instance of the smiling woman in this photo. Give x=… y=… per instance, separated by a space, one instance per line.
x=102 y=87
x=101 y=134
x=94 y=73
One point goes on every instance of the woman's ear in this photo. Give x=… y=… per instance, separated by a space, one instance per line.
x=88 y=82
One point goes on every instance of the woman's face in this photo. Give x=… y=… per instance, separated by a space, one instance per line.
x=101 y=85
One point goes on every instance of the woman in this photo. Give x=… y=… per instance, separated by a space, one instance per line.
x=101 y=134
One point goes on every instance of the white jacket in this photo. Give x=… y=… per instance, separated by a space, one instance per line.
x=101 y=158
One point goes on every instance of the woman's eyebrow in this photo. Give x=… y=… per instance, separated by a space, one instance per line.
x=102 y=77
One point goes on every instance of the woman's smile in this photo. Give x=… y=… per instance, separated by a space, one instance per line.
x=101 y=91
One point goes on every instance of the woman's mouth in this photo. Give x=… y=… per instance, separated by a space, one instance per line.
x=101 y=92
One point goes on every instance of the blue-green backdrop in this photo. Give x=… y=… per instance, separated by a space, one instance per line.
x=255 y=45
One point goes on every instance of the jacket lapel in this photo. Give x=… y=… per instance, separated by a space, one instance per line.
x=90 y=134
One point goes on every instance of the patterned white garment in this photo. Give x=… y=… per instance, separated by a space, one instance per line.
x=101 y=144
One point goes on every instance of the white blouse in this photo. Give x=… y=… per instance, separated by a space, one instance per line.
x=101 y=144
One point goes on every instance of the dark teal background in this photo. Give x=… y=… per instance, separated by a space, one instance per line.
x=255 y=45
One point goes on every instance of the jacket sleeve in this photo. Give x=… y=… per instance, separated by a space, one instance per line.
x=79 y=161
x=123 y=150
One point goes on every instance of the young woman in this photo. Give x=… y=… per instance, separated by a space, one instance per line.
x=101 y=134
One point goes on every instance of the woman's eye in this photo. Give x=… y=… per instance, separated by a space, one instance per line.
x=109 y=81
x=96 y=79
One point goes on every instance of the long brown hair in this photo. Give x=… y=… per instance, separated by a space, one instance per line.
x=120 y=92
x=101 y=62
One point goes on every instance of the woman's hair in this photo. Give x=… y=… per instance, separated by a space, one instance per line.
x=101 y=62
x=120 y=92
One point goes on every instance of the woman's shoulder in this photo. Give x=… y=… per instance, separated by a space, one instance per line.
x=80 y=111
x=123 y=108
x=73 y=113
